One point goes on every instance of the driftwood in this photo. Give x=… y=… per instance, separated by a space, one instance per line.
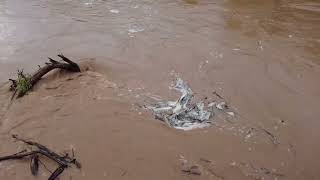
x=24 y=83
x=63 y=161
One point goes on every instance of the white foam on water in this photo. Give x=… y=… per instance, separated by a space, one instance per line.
x=183 y=114
x=190 y=126
x=135 y=28
x=115 y=11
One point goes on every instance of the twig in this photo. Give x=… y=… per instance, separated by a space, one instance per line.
x=20 y=152
x=14 y=94
x=218 y=95
x=47 y=152
x=215 y=174
x=45 y=167
x=57 y=172
x=205 y=160
x=272 y=137
x=13 y=85
x=18 y=156
x=34 y=164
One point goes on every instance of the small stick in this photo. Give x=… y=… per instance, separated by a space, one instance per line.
x=14 y=94
x=57 y=172
x=272 y=137
x=45 y=166
x=18 y=156
x=20 y=152
x=218 y=95
x=34 y=164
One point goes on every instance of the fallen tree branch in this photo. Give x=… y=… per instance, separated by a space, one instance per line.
x=64 y=161
x=24 y=82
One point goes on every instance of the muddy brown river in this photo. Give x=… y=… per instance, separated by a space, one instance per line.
x=260 y=56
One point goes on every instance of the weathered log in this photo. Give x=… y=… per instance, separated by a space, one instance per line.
x=29 y=82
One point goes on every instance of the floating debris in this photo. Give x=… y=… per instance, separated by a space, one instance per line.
x=231 y=113
x=212 y=104
x=202 y=64
x=183 y=113
x=192 y=170
x=222 y=106
x=188 y=168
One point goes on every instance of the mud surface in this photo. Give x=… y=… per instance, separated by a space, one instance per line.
x=261 y=57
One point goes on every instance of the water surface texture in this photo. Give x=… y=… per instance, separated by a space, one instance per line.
x=262 y=56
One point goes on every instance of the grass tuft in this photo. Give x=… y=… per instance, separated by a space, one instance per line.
x=23 y=83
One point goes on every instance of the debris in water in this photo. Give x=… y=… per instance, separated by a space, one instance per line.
x=272 y=137
x=260 y=45
x=202 y=64
x=183 y=113
x=230 y=113
x=211 y=104
x=63 y=161
x=192 y=170
x=233 y=164
x=187 y=167
x=217 y=94
x=222 y=106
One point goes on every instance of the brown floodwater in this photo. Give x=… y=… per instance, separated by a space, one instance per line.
x=261 y=56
